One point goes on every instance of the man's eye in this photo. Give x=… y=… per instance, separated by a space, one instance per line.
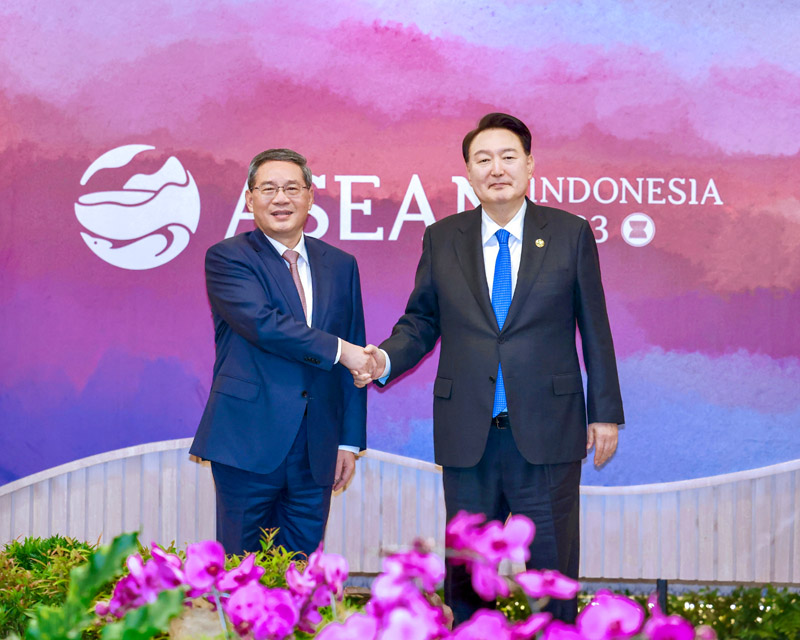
x=268 y=191
x=292 y=191
x=509 y=157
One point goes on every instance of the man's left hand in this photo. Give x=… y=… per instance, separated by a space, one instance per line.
x=345 y=467
x=603 y=437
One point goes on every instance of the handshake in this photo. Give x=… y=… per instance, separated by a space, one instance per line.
x=365 y=363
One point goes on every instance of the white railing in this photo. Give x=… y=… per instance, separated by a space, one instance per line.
x=733 y=528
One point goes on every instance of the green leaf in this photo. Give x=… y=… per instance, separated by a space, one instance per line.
x=145 y=622
x=103 y=565
x=67 y=621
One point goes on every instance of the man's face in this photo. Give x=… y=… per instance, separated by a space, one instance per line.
x=281 y=217
x=498 y=168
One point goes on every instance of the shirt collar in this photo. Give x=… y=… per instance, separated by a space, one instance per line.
x=300 y=248
x=514 y=227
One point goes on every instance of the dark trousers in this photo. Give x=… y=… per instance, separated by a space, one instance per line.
x=287 y=498
x=503 y=482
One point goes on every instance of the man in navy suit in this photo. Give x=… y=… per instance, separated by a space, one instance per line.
x=505 y=286
x=283 y=422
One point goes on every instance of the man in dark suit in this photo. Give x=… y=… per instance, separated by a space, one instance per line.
x=283 y=421
x=504 y=286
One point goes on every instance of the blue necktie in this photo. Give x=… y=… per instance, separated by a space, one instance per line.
x=501 y=301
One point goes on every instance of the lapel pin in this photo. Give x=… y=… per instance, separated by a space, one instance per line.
x=539 y=242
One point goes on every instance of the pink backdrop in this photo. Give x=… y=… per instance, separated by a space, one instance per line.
x=97 y=356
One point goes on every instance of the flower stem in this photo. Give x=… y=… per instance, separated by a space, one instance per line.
x=219 y=612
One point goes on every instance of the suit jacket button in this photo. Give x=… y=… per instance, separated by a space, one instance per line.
x=501 y=339
x=304 y=394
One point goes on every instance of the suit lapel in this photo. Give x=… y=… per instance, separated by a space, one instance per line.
x=531 y=260
x=279 y=272
x=469 y=252
x=322 y=280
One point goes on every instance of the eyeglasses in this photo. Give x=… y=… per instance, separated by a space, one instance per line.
x=269 y=191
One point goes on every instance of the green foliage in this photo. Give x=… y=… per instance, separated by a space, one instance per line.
x=86 y=581
x=32 y=572
x=744 y=614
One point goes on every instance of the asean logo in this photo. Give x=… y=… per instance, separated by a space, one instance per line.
x=145 y=224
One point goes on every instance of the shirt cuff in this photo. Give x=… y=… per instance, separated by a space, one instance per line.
x=387 y=370
x=347 y=447
x=338 y=350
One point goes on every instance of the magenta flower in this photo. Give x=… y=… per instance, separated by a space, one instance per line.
x=402 y=624
x=330 y=569
x=246 y=572
x=482 y=625
x=496 y=542
x=530 y=627
x=487 y=583
x=674 y=627
x=266 y=613
x=358 y=626
x=462 y=529
x=558 y=630
x=169 y=567
x=538 y=584
x=414 y=565
x=279 y=616
x=301 y=585
x=704 y=632
x=205 y=562
x=609 y=617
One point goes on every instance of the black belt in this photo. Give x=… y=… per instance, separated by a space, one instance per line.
x=501 y=421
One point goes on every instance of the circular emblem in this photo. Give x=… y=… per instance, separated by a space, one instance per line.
x=638 y=229
x=147 y=222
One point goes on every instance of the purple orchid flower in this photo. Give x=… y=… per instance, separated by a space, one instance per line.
x=704 y=632
x=426 y=567
x=205 y=562
x=672 y=627
x=487 y=583
x=264 y=613
x=530 y=627
x=484 y=624
x=610 y=617
x=538 y=584
x=245 y=573
x=558 y=630
x=358 y=626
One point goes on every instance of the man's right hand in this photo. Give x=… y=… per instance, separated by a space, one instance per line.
x=362 y=378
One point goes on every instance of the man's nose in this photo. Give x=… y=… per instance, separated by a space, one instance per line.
x=281 y=196
x=497 y=167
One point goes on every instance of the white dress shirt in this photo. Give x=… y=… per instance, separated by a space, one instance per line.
x=304 y=269
x=491 y=247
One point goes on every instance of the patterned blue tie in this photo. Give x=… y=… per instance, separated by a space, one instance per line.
x=501 y=301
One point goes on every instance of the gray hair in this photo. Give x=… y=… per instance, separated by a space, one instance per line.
x=277 y=155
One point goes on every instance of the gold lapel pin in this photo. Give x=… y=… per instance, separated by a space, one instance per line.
x=539 y=242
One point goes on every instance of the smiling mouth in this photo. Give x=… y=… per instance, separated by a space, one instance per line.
x=282 y=213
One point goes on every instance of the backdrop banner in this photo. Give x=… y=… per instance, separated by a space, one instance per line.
x=126 y=131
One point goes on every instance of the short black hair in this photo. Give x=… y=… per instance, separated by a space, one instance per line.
x=498 y=121
x=277 y=155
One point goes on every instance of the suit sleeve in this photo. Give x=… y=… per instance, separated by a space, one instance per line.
x=354 y=423
x=603 y=401
x=244 y=304
x=417 y=331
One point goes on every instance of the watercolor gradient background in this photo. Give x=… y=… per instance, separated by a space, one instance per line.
x=93 y=357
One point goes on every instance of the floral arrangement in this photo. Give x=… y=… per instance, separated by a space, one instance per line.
x=401 y=603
